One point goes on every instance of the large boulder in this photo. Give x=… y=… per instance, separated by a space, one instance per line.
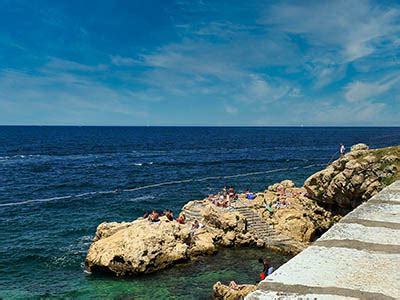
x=137 y=247
x=358 y=147
x=141 y=247
x=354 y=178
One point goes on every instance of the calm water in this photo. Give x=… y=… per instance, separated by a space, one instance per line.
x=58 y=183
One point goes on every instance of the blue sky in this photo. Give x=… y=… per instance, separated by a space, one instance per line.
x=199 y=62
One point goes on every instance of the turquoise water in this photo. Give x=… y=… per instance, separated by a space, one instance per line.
x=192 y=280
x=58 y=183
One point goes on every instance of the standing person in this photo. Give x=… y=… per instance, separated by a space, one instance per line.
x=267 y=269
x=342 y=150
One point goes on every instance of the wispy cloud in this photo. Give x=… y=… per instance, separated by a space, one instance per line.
x=64 y=96
x=284 y=62
x=363 y=90
x=122 y=61
x=353 y=28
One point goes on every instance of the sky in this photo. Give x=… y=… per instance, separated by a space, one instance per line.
x=198 y=62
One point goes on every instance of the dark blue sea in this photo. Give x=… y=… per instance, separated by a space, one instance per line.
x=58 y=183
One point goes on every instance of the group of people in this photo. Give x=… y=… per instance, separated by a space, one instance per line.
x=154 y=216
x=224 y=197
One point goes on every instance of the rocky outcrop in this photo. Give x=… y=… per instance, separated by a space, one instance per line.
x=141 y=247
x=283 y=216
x=225 y=292
x=293 y=214
x=144 y=247
x=355 y=177
x=137 y=247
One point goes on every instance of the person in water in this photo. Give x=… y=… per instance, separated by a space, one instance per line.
x=342 y=149
x=267 y=269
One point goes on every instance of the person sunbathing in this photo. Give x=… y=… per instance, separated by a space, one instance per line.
x=233 y=285
x=195 y=225
x=181 y=219
x=154 y=217
x=169 y=214
x=231 y=192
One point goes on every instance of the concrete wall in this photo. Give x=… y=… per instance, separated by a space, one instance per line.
x=358 y=258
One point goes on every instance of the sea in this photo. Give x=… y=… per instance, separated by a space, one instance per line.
x=58 y=183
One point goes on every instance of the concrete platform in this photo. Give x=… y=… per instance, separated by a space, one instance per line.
x=358 y=258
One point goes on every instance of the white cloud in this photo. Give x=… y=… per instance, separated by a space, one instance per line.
x=64 y=97
x=353 y=28
x=231 y=109
x=363 y=90
x=62 y=65
x=122 y=61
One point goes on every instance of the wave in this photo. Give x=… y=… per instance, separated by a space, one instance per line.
x=231 y=161
x=150 y=186
x=139 y=164
x=142 y=198
x=82 y=155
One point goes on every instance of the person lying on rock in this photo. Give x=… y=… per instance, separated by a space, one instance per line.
x=231 y=192
x=181 y=219
x=195 y=225
x=154 y=217
x=169 y=214
x=233 y=285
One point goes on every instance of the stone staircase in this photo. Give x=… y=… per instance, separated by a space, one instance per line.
x=265 y=231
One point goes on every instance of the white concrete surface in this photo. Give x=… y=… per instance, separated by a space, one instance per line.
x=351 y=231
x=358 y=258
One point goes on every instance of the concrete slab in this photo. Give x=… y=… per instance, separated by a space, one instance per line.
x=358 y=258
x=351 y=231
x=395 y=185
x=376 y=212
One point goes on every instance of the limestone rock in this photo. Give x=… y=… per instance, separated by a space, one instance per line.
x=140 y=248
x=107 y=229
x=202 y=244
x=354 y=178
x=225 y=292
x=281 y=185
x=359 y=147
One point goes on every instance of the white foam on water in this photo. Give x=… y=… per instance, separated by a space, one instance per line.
x=156 y=185
x=36 y=200
x=141 y=198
